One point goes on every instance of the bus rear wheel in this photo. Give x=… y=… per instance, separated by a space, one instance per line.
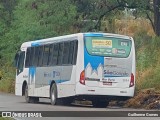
x=67 y=101
x=100 y=104
x=53 y=94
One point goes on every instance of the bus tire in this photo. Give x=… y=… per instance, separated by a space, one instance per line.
x=67 y=101
x=53 y=94
x=30 y=99
x=35 y=99
x=27 y=98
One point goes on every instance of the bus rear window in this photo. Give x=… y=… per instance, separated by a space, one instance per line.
x=108 y=46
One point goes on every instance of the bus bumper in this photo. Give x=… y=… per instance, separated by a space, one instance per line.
x=86 y=90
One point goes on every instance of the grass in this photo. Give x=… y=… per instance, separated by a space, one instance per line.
x=148 y=78
x=2 y=118
x=148 y=65
x=7 y=78
x=7 y=85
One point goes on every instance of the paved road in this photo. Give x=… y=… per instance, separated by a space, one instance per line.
x=10 y=102
x=17 y=103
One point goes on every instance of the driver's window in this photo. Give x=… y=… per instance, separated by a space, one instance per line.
x=20 y=62
x=16 y=58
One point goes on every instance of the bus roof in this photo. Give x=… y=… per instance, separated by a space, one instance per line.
x=88 y=34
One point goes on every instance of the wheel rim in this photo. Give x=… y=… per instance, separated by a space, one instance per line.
x=53 y=96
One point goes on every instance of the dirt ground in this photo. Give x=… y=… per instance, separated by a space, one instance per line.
x=145 y=99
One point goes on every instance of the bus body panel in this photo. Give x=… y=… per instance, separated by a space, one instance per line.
x=18 y=89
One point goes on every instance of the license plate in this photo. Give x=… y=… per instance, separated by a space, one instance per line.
x=108 y=80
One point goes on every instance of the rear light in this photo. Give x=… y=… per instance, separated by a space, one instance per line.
x=132 y=80
x=82 y=78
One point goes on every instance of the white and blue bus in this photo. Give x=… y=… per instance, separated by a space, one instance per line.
x=93 y=66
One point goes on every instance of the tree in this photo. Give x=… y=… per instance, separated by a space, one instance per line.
x=33 y=20
x=98 y=9
x=156 y=5
x=6 y=18
x=43 y=18
x=6 y=14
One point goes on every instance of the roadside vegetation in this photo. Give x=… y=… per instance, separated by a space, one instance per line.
x=2 y=118
x=27 y=20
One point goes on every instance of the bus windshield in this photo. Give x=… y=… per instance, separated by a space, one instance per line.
x=108 y=46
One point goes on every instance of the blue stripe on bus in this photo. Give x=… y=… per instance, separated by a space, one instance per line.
x=93 y=35
x=35 y=44
x=95 y=61
x=60 y=81
x=57 y=81
x=32 y=71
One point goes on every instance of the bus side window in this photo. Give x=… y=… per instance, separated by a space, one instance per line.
x=60 y=53
x=27 y=62
x=66 y=53
x=36 y=53
x=40 y=56
x=50 y=54
x=71 y=50
x=45 y=55
x=55 y=54
x=75 y=52
x=32 y=56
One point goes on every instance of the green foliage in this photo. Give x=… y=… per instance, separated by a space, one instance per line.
x=142 y=39
x=42 y=19
x=32 y=20
x=156 y=42
x=90 y=13
x=2 y=118
x=7 y=78
x=6 y=14
x=97 y=10
x=152 y=80
x=146 y=52
x=36 y=20
x=148 y=64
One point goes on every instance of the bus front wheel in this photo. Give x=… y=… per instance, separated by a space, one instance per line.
x=53 y=94
x=28 y=98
